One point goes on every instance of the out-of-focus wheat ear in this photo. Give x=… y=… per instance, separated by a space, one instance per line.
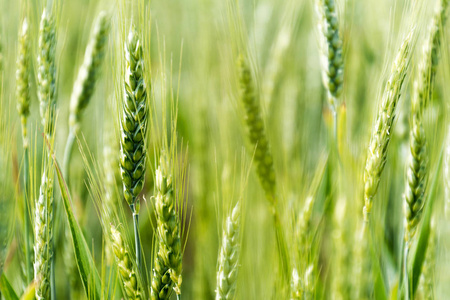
x=382 y=129
x=127 y=272
x=423 y=86
x=228 y=264
x=255 y=126
x=168 y=260
x=43 y=235
x=416 y=179
x=84 y=85
x=262 y=156
x=417 y=170
x=89 y=71
x=23 y=79
x=47 y=72
x=331 y=47
x=23 y=108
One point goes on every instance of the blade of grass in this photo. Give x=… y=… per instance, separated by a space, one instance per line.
x=86 y=266
x=6 y=289
x=29 y=292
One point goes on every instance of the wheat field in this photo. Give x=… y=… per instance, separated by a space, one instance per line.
x=205 y=149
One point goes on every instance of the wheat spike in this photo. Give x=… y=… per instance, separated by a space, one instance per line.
x=381 y=132
x=168 y=260
x=127 y=272
x=416 y=174
x=43 y=235
x=331 y=46
x=89 y=71
x=228 y=264
x=23 y=79
x=47 y=72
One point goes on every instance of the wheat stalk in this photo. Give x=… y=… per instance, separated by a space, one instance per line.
x=44 y=262
x=381 y=132
x=168 y=260
x=134 y=128
x=228 y=264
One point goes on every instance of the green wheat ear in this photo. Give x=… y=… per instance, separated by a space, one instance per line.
x=416 y=174
x=134 y=121
x=255 y=125
x=331 y=47
x=23 y=79
x=127 y=272
x=168 y=260
x=43 y=235
x=229 y=257
x=87 y=76
x=381 y=132
x=47 y=72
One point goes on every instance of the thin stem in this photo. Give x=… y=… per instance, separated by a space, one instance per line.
x=28 y=229
x=402 y=269
x=136 y=236
x=405 y=270
x=335 y=117
x=281 y=242
x=68 y=157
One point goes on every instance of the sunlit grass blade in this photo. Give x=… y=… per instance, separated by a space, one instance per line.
x=29 y=292
x=6 y=289
x=86 y=266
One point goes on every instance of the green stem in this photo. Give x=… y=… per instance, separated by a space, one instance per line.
x=68 y=157
x=405 y=263
x=281 y=242
x=403 y=267
x=29 y=270
x=335 y=119
x=136 y=236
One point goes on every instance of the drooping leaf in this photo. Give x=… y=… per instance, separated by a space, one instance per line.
x=86 y=266
x=6 y=289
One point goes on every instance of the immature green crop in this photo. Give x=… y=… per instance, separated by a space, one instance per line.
x=382 y=129
x=168 y=260
x=134 y=121
x=47 y=72
x=416 y=175
x=131 y=284
x=331 y=47
x=229 y=257
x=89 y=72
x=23 y=79
x=43 y=235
